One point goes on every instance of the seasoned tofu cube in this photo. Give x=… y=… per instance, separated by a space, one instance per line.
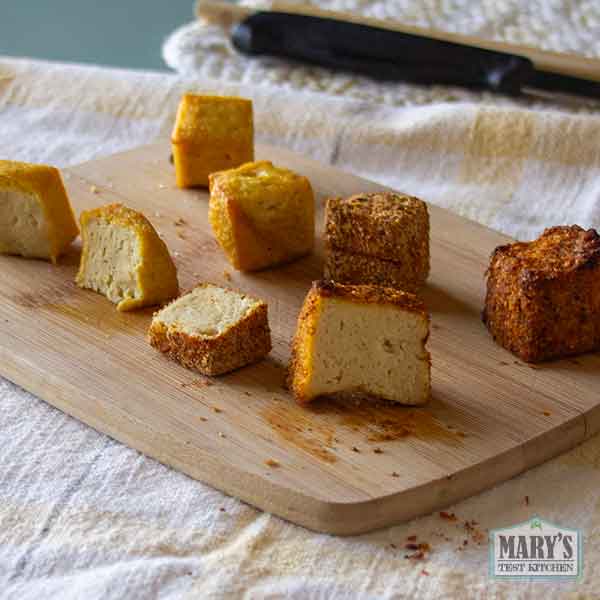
x=543 y=296
x=213 y=330
x=380 y=238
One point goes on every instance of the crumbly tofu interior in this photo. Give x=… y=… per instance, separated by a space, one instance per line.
x=23 y=226
x=113 y=260
x=206 y=311
x=372 y=349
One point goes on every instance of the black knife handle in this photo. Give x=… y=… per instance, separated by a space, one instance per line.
x=380 y=53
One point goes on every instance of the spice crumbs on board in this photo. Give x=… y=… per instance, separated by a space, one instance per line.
x=448 y=516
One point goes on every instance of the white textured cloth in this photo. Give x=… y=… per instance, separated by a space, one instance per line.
x=571 y=26
x=82 y=516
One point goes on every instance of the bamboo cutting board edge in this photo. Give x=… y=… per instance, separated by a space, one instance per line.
x=336 y=518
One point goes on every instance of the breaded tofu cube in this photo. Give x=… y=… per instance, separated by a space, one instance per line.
x=124 y=258
x=361 y=339
x=380 y=238
x=36 y=218
x=262 y=215
x=211 y=133
x=213 y=330
x=543 y=297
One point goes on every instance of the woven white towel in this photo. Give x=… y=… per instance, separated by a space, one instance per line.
x=571 y=26
x=82 y=516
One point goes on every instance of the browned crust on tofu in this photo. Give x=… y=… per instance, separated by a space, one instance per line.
x=543 y=297
x=384 y=225
x=356 y=269
x=243 y=344
x=117 y=214
x=297 y=375
x=369 y=294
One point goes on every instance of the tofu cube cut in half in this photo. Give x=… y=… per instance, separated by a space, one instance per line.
x=211 y=133
x=212 y=330
x=361 y=339
x=124 y=258
x=36 y=218
x=262 y=215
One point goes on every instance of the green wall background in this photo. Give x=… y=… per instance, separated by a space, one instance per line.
x=125 y=33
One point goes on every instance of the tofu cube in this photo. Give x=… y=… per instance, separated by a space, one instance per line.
x=211 y=133
x=213 y=330
x=380 y=238
x=543 y=297
x=124 y=258
x=36 y=218
x=262 y=215
x=361 y=340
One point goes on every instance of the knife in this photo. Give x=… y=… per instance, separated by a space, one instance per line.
x=388 y=55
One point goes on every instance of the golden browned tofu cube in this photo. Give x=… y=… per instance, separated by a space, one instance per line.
x=211 y=133
x=262 y=215
x=36 y=218
x=124 y=258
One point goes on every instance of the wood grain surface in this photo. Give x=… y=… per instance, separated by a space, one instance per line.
x=340 y=469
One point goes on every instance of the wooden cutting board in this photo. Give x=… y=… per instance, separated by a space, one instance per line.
x=342 y=469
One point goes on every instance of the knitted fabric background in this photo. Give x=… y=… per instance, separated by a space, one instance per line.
x=558 y=25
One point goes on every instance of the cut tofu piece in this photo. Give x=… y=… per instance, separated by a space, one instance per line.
x=262 y=215
x=212 y=330
x=124 y=258
x=36 y=218
x=363 y=340
x=211 y=133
